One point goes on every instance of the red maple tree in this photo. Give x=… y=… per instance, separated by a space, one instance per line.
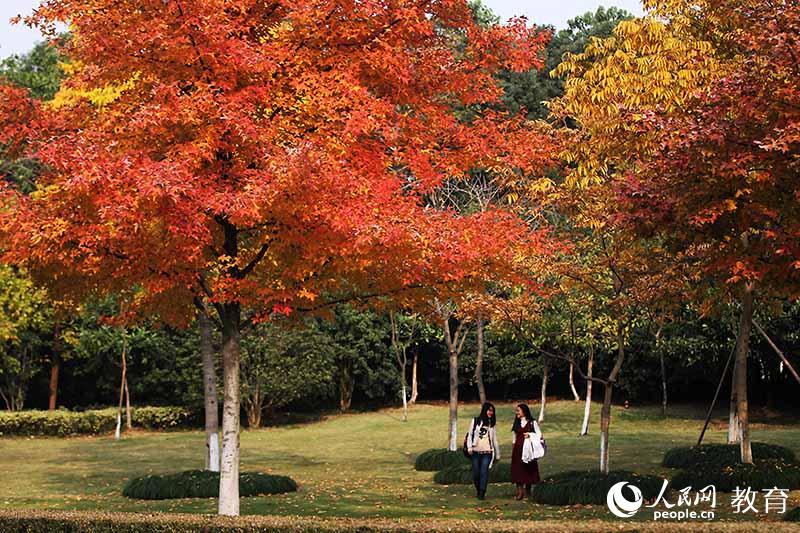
x=267 y=155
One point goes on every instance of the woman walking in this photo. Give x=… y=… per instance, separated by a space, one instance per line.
x=483 y=447
x=523 y=474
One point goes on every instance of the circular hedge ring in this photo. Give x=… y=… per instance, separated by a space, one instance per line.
x=438 y=459
x=580 y=487
x=203 y=484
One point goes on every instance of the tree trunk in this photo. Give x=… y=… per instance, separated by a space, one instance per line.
x=54 y=369
x=118 y=430
x=572 y=383
x=605 y=425
x=229 y=465
x=545 y=376
x=210 y=401
x=128 y=422
x=405 y=403
x=587 y=409
x=742 y=349
x=453 y=420
x=733 y=419
x=413 y=399
x=605 y=413
x=346 y=386
x=479 y=361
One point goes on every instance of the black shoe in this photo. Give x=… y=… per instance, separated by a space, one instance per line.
x=481 y=495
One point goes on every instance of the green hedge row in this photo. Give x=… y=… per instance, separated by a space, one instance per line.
x=762 y=474
x=721 y=455
x=579 y=487
x=462 y=474
x=203 y=484
x=438 y=459
x=62 y=422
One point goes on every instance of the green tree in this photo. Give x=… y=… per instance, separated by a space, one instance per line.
x=25 y=320
x=531 y=89
x=282 y=364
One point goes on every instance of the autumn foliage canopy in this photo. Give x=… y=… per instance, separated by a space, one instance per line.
x=266 y=152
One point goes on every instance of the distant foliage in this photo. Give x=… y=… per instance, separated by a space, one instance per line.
x=574 y=487
x=462 y=475
x=793 y=515
x=763 y=474
x=203 y=484
x=439 y=459
x=63 y=423
x=721 y=455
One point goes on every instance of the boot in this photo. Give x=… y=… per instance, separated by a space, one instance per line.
x=528 y=490
x=520 y=493
x=482 y=495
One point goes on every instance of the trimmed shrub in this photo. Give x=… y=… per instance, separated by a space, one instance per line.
x=719 y=455
x=763 y=474
x=163 y=417
x=579 y=487
x=438 y=459
x=203 y=484
x=462 y=474
x=793 y=515
x=61 y=423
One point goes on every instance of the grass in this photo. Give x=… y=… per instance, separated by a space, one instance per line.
x=357 y=465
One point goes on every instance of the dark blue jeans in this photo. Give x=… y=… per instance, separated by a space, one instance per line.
x=480 y=471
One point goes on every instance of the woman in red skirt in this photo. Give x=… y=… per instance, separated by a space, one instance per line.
x=523 y=474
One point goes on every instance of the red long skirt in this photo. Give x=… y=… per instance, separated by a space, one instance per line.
x=525 y=473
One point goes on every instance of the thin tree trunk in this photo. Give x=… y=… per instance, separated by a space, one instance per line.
x=545 y=376
x=346 y=386
x=210 y=400
x=479 y=361
x=572 y=383
x=405 y=403
x=413 y=399
x=745 y=327
x=455 y=343
x=453 y=420
x=229 y=464
x=118 y=430
x=587 y=409
x=663 y=371
x=733 y=419
x=605 y=413
x=128 y=422
x=54 y=370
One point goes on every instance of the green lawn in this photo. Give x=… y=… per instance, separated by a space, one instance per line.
x=357 y=465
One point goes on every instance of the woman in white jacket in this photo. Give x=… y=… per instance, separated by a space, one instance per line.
x=483 y=447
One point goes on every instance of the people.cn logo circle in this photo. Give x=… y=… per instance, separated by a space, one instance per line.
x=621 y=506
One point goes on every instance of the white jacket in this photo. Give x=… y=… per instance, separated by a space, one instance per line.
x=532 y=448
x=472 y=438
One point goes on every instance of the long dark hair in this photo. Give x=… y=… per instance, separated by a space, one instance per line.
x=484 y=416
x=526 y=412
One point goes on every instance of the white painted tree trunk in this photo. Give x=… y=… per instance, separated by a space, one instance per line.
x=572 y=383
x=229 y=464
x=545 y=377
x=413 y=399
x=733 y=419
x=210 y=400
x=405 y=404
x=587 y=408
x=742 y=411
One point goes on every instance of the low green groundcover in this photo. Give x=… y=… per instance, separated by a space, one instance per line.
x=762 y=474
x=203 y=484
x=438 y=459
x=462 y=474
x=793 y=515
x=719 y=455
x=580 y=487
